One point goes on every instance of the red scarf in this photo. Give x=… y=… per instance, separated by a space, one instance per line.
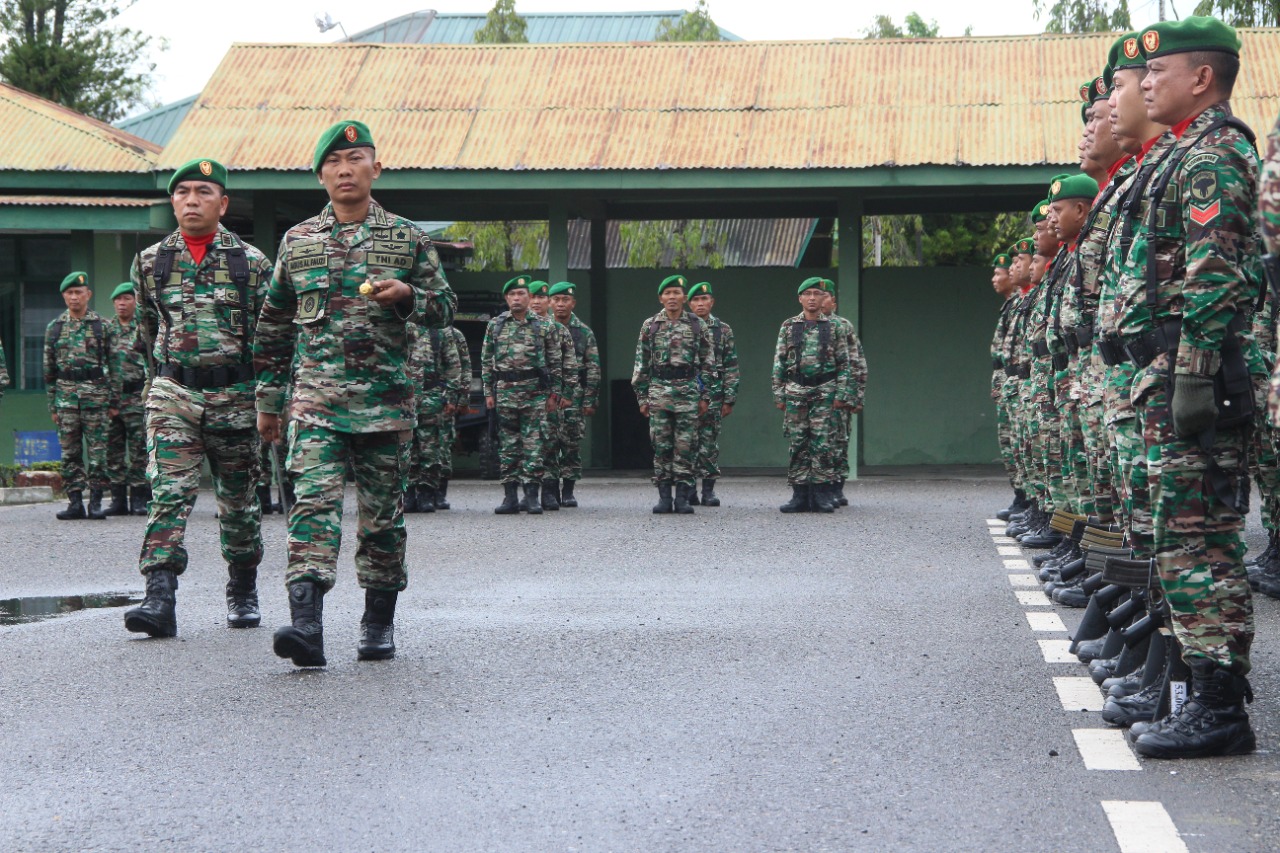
x=198 y=246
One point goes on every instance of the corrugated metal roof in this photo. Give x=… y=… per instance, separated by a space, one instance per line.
x=40 y=136
x=77 y=201
x=431 y=27
x=158 y=125
x=727 y=105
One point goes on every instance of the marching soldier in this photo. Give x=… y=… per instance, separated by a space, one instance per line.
x=82 y=374
x=724 y=360
x=126 y=436
x=674 y=382
x=346 y=284
x=585 y=386
x=201 y=288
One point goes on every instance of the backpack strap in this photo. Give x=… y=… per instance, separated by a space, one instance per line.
x=160 y=273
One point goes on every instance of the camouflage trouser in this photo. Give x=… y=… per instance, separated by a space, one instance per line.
x=673 y=434
x=82 y=432
x=1047 y=438
x=706 y=459
x=1004 y=433
x=1098 y=466
x=574 y=425
x=177 y=444
x=1075 y=460
x=266 y=468
x=522 y=425
x=1264 y=460
x=317 y=465
x=555 y=445
x=1199 y=550
x=448 y=434
x=844 y=420
x=428 y=441
x=810 y=424
x=1129 y=470
x=127 y=448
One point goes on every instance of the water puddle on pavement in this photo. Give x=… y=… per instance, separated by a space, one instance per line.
x=15 y=611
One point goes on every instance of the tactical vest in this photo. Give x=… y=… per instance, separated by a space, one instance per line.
x=96 y=324
x=238 y=265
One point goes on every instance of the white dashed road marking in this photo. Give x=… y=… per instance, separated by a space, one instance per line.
x=1047 y=622
x=1078 y=694
x=1057 y=651
x=1143 y=827
x=1032 y=598
x=1025 y=580
x=1105 y=749
x=1016 y=564
x=1009 y=550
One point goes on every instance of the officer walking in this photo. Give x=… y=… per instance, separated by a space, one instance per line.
x=584 y=385
x=346 y=283
x=126 y=436
x=82 y=374
x=724 y=361
x=201 y=288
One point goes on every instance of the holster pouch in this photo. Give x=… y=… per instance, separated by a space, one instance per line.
x=1232 y=384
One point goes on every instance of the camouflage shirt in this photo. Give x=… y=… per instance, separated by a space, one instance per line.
x=668 y=348
x=434 y=364
x=1269 y=193
x=523 y=355
x=811 y=358
x=133 y=360
x=350 y=374
x=724 y=356
x=464 y=367
x=588 y=354
x=568 y=356
x=857 y=362
x=85 y=344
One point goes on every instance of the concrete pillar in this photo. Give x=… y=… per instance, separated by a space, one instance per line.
x=264 y=224
x=849 y=291
x=599 y=449
x=558 y=243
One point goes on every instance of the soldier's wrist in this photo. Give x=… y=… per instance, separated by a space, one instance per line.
x=1196 y=361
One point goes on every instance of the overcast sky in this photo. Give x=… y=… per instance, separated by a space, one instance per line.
x=198 y=35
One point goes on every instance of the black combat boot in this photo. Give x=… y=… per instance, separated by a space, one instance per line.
x=510 y=505
x=1018 y=505
x=119 y=501
x=664 y=504
x=799 y=500
x=1267 y=553
x=693 y=496
x=242 y=598
x=838 y=493
x=551 y=495
x=156 y=614
x=139 y=496
x=75 y=507
x=94 y=509
x=709 y=497
x=377 y=636
x=1137 y=707
x=532 y=501
x=1021 y=523
x=442 y=494
x=264 y=499
x=682 y=503
x=1212 y=722
x=566 y=494
x=823 y=497
x=425 y=497
x=303 y=640
x=410 y=499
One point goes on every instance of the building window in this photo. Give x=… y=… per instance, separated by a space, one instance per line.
x=30 y=270
x=41 y=304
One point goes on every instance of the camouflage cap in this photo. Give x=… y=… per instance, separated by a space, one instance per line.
x=538 y=288
x=75 y=279
x=344 y=134
x=671 y=281
x=702 y=288
x=1025 y=246
x=563 y=287
x=1067 y=186
x=200 y=169
x=122 y=289
x=815 y=281
x=1040 y=212
x=520 y=282
x=1198 y=32
x=1001 y=261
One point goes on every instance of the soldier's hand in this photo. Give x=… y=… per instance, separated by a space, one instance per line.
x=464 y=409
x=54 y=415
x=113 y=413
x=450 y=408
x=565 y=402
x=702 y=407
x=780 y=405
x=588 y=411
x=726 y=409
x=489 y=402
x=857 y=410
x=269 y=427
x=553 y=402
x=390 y=291
x=840 y=404
x=1194 y=410
x=644 y=409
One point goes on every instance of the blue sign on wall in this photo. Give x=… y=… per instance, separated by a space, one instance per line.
x=36 y=446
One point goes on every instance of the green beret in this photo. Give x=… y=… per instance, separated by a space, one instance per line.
x=1124 y=53
x=1199 y=32
x=520 y=281
x=1073 y=186
x=344 y=134
x=1101 y=89
x=671 y=281
x=538 y=288
x=816 y=281
x=1025 y=246
x=122 y=289
x=702 y=288
x=563 y=287
x=1040 y=212
x=75 y=279
x=199 y=170
x=1001 y=261
x=1086 y=88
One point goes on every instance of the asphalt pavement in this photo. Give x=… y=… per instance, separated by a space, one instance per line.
x=598 y=679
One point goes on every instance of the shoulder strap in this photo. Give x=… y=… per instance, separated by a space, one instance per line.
x=797 y=338
x=160 y=276
x=824 y=341
x=97 y=334
x=57 y=332
x=579 y=340
x=717 y=334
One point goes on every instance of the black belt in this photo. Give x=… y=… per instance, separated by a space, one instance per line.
x=204 y=378
x=1112 y=351
x=133 y=387
x=517 y=375
x=80 y=374
x=1143 y=348
x=683 y=371
x=1060 y=360
x=814 y=381
x=1039 y=348
x=1084 y=336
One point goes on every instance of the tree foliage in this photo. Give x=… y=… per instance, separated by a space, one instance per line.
x=1243 y=13
x=1084 y=16
x=941 y=240
x=677 y=244
x=69 y=52
x=914 y=27
x=691 y=26
x=502 y=246
x=502 y=25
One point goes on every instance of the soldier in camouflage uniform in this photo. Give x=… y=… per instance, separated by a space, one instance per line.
x=1004 y=288
x=540 y=304
x=82 y=374
x=126 y=433
x=461 y=407
x=674 y=381
x=437 y=378
x=200 y=290
x=520 y=369
x=1186 y=287
x=584 y=385
x=858 y=379
x=724 y=360
x=4 y=371
x=1269 y=220
x=811 y=382
x=347 y=282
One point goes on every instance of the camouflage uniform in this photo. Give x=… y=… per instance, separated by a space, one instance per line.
x=437 y=380
x=126 y=433
x=858 y=388
x=200 y=403
x=82 y=374
x=4 y=371
x=1200 y=240
x=586 y=394
x=1004 y=419
x=555 y=419
x=351 y=394
x=520 y=368
x=673 y=372
x=811 y=373
x=724 y=360
x=1269 y=219
x=449 y=429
